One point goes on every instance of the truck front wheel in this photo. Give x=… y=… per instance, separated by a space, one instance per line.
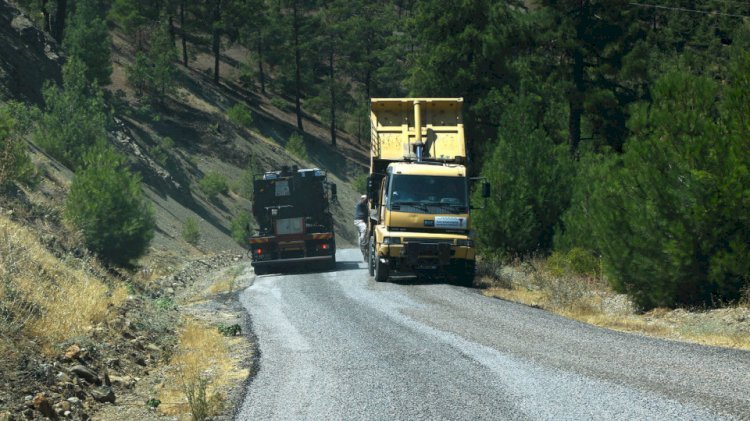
x=381 y=270
x=465 y=275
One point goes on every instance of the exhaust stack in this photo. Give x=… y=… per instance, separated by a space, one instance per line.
x=418 y=145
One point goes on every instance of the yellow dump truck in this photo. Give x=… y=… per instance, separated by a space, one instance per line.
x=418 y=190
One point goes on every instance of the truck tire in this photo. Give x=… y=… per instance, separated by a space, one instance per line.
x=332 y=264
x=465 y=277
x=371 y=257
x=381 y=270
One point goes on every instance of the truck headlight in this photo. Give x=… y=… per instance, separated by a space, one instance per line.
x=465 y=243
x=391 y=240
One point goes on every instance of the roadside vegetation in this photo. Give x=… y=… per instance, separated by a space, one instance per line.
x=574 y=285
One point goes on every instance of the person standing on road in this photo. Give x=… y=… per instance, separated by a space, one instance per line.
x=360 y=221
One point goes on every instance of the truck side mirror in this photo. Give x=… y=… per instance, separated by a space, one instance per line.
x=371 y=188
x=334 y=192
x=485 y=189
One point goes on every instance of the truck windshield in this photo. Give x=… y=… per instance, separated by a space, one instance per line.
x=428 y=194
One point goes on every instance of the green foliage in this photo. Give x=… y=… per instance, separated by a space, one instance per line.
x=576 y=261
x=280 y=103
x=73 y=119
x=138 y=73
x=165 y=304
x=106 y=203
x=202 y=406
x=125 y=14
x=229 y=330
x=240 y=114
x=153 y=72
x=530 y=178
x=673 y=227
x=359 y=184
x=242 y=227
x=160 y=152
x=576 y=229
x=296 y=146
x=213 y=184
x=190 y=232
x=15 y=164
x=87 y=39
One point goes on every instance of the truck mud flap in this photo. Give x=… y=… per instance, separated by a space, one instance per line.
x=415 y=251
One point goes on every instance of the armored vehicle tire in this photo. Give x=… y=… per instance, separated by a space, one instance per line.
x=381 y=270
x=372 y=258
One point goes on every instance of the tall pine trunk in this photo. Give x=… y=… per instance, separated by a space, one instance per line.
x=297 y=76
x=576 y=103
x=332 y=83
x=45 y=13
x=261 y=73
x=182 y=33
x=58 y=24
x=579 y=84
x=216 y=44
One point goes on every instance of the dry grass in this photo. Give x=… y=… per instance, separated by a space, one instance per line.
x=43 y=298
x=202 y=367
x=589 y=299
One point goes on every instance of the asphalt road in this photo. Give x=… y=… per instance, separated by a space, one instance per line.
x=338 y=345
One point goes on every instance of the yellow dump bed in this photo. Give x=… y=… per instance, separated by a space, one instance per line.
x=439 y=128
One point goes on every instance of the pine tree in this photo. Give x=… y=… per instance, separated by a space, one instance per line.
x=531 y=178
x=74 y=116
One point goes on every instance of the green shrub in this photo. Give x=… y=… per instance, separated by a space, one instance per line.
x=165 y=303
x=241 y=227
x=296 y=146
x=673 y=225
x=280 y=103
x=530 y=177
x=15 y=164
x=240 y=114
x=190 y=232
x=229 y=330
x=213 y=184
x=576 y=261
x=160 y=152
x=106 y=203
